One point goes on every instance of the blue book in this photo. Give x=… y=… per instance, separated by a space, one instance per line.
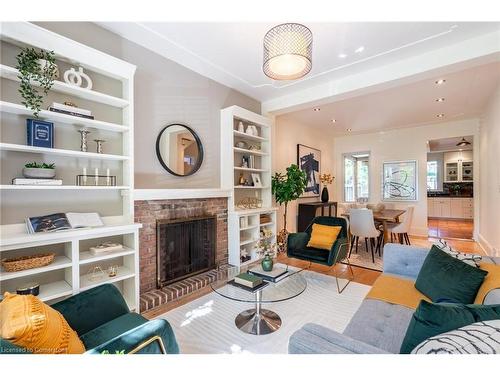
x=40 y=133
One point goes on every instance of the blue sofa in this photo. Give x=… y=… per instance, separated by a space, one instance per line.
x=377 y=327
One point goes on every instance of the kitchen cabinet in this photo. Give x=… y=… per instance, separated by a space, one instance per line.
x=453 y=208
x=458 y=166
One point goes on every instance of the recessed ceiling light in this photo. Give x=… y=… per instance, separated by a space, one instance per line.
x=359 y=49
x=334 y=121
x=440 y=81
x=342 y=55
x=349 y=129
x=317 y=109
x=441 y=115
x=439 y=100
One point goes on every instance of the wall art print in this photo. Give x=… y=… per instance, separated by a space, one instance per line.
x=400 y=181
x=309 y=161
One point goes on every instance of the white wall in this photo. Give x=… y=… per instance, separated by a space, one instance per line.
x=400 y=144
x=489 y=233
x=286 y=135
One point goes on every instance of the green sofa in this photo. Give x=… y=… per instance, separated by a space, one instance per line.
x=104 y=323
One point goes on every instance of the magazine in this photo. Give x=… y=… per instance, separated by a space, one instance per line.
x=62 y=221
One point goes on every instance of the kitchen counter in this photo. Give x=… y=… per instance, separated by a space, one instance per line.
x=432 y=195
x=450 y=206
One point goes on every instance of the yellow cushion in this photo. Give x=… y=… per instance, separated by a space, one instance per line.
x=323 y=236
x=491 y=281
x=29 y=323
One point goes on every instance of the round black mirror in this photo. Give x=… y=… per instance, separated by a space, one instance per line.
x=179 y=150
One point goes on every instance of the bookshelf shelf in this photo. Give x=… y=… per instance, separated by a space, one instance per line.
x=61 y=118
x=64 y=276
x=11 y=73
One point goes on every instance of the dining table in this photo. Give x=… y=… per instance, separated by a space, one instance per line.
x=384 y=216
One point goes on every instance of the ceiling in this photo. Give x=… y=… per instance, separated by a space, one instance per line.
x=231 y=53
x=449 y=144
x=466 y=94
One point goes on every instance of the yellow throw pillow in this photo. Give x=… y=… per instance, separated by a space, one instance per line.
x=323 y=236
x=29 y=323
x=491 y=281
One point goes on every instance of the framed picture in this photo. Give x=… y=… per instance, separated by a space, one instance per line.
x=400 y=181
x=256 y=180
x=309 y=161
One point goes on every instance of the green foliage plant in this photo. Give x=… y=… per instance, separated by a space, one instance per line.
x=43 y=165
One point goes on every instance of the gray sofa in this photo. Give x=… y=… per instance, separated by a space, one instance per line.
x=377 y=327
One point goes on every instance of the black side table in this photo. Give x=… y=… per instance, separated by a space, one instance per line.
x=308 y=211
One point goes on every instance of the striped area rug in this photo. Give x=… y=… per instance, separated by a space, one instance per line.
x=206 y=325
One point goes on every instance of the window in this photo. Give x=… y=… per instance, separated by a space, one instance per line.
x=432 y=175
x=356 y=177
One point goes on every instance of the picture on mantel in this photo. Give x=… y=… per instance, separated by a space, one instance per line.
x=309 y=161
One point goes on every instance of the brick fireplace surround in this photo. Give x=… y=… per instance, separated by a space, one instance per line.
x=146 y=213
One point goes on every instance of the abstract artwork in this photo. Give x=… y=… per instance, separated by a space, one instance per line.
x=400 y=181
x=308 y=160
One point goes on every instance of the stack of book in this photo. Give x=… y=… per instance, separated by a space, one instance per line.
x=36 y=181
x=248 y=280
x=70 y=110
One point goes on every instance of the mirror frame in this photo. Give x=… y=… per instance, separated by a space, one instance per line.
x=200 y=151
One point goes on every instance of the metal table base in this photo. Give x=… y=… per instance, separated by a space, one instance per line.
x=258 y=321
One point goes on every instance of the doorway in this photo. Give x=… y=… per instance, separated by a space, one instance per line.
x=450 y=188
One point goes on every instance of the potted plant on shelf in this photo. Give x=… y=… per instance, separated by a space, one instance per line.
x=36 y=68
x=287 y=188
x=35 y=170
x=267 y=249
x=326 y=179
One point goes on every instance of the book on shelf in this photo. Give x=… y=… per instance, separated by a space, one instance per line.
x=70 y=108
x=248 y=280
x=39 y=133
x=62 y=221
x=76 y=114
x=36 y=181
x=274 y=276
x=105 y=247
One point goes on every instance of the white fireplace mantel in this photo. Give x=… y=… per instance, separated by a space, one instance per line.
x=152 y=194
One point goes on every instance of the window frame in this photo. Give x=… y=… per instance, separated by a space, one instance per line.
x=363 y=155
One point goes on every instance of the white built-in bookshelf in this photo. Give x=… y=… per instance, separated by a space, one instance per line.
x=111 y=101
x=245 y=224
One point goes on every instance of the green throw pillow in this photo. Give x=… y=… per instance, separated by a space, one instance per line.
x=443 y=277
x=431 y=319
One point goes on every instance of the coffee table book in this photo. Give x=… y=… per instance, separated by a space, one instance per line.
x=274 y=275
x=248 y=280
x=248 y=289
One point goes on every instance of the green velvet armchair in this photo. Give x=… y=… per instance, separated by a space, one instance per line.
x=297 y=247
x=101 y=318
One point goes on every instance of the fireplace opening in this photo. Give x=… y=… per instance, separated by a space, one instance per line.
x=185 y=247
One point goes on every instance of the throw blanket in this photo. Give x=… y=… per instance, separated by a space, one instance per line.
x=396 y=291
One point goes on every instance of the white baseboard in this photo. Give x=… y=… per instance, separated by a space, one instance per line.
x=487 y=247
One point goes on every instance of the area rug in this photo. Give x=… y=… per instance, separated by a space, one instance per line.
x=363 y=258
x=206 y=325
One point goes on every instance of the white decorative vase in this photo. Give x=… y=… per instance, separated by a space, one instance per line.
x=43 y=63
x=241 y=127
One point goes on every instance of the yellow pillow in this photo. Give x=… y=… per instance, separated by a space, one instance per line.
x=29 y=323
x=323 y=236
x=491 y=281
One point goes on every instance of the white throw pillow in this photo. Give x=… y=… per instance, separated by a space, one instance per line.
x=477 y=338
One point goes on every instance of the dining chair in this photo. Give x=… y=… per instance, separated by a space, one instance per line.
x=362 y=225
x=401 y=230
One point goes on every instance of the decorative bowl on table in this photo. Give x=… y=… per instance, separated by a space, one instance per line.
x=39 y=172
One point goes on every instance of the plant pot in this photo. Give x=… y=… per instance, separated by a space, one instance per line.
x=324 y=195
x=39 y=173
x=267 y=263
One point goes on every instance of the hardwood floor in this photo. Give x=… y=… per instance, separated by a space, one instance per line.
x=361 y=275
x=444 y=228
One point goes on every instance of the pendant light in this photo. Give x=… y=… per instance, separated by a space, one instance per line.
x=287 y=51
x=463 y=143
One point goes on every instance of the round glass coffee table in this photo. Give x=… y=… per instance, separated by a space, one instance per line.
x=260 y=321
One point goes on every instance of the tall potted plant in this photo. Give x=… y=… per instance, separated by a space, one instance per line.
x=286 y=188
x=36 y=68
